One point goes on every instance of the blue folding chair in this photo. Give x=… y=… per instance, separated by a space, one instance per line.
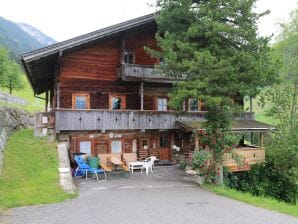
x=84 y=168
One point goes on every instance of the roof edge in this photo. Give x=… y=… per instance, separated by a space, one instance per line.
x=85 y=38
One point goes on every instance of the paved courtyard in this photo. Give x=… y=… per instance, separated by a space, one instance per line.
x=162 y=197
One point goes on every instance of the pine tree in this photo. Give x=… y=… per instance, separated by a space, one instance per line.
x=213 y=44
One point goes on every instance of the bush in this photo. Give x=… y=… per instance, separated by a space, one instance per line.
x=201 y=161
x=266 y=179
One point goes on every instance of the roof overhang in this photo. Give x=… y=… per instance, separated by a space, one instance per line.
x=40 y=64
x=237 y=126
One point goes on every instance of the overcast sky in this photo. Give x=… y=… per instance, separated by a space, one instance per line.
x=64 y=19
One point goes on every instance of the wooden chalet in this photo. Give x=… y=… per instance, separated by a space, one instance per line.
x=103 y=95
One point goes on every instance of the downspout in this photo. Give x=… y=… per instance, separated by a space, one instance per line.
x=56 y=83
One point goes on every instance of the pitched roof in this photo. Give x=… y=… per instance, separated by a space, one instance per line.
x=237 y=125
x=40 y=64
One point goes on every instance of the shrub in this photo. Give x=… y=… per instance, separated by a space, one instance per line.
x=266 y=179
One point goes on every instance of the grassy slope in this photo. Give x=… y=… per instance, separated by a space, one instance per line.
x=30 y=173
x=263 y=202
x=260 y=113
x=34 y=104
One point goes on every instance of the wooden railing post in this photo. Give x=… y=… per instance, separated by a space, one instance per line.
x=142 y=95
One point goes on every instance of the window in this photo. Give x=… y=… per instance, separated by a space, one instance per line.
x=163 y=141
x=128 y=57
x=161 y=61
x=80 y=101
x=117 y=102
x=116 y=146
x=161 y=104
x=85 y=147
x=144 y=143
x=193 y=104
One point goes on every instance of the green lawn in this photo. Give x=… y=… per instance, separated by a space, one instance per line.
x=260 y=113
x=34 y=104
x=263 y=202
x=30 y=173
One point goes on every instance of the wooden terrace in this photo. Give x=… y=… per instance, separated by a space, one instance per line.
x=248 y=155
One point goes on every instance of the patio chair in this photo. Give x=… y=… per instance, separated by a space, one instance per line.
x=129 y=157
x=148 y=164
x=85 y=168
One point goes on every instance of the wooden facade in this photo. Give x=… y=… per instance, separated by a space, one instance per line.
x=105 y=94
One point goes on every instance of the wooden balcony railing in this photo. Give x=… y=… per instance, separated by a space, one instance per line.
x=249 y=156
x=67 y=119
x=44 y=123
x=133 y=72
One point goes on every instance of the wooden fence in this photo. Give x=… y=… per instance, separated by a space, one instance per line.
x=247 y=156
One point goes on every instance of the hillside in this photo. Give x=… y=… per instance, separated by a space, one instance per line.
x=34 y=104
x=37 y=34
x=21 y=38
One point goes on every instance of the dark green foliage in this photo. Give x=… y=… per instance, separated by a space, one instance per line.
x=214 y=46
x=266 y=179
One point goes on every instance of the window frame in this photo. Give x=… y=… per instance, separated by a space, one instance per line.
x=89 y=141
x=75 y=95
x=199 y=106
x=128 y=51
x=123 y=101
x=121 y=145
x=144 y=140
x=161 y=98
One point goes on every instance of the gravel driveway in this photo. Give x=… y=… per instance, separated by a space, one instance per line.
x=162 y=197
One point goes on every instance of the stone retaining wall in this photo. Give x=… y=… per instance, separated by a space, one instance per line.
x=6 y=97
x=66 y=180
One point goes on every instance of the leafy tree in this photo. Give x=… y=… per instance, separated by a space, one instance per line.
x=213 y=46
x=278 y=176
x=10 y=72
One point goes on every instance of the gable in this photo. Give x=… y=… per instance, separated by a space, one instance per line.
x=42 y=65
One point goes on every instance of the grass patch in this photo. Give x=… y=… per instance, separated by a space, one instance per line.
x=34 y=104
x=259 y=201
x=30 y=173
x=261 y=116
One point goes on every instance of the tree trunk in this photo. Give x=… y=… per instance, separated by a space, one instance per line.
x=10 y=86
x=219 y=174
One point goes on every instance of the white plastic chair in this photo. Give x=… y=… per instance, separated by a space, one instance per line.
x=148 y=164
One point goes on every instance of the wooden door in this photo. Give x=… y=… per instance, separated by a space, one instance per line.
x=164 y=147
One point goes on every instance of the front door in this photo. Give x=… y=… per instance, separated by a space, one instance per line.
x=164 y=147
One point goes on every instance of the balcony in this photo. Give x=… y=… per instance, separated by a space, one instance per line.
x=78 y=120
x=145 y=73
x=74 y=120
x=248 y=155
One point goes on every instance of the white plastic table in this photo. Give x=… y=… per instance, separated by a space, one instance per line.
x=135 y=165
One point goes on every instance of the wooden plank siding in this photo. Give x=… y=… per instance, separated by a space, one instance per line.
x=101 y=142
x=94 y=70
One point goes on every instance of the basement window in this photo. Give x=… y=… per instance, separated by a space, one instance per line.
x=85 y=147
x=116 y=146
